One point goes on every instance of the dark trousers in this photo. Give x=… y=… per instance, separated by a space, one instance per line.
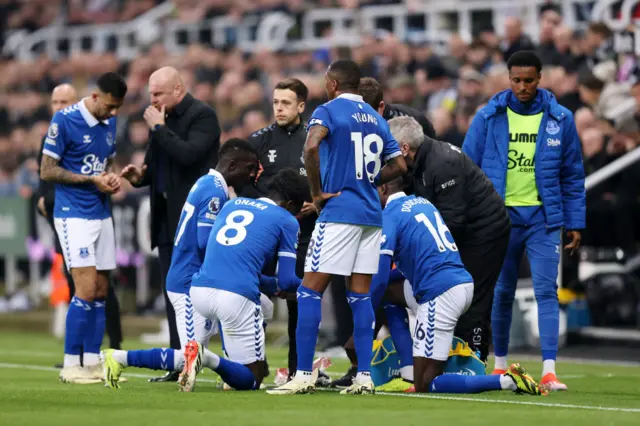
x=483 y=260
x=165 y=252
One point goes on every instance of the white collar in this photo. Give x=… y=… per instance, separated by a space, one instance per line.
x=351 y=97
x=395 y=197
x=88 y=117
x=267 y=200
x=217 y=174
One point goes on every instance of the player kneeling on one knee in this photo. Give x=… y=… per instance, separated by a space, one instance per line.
x=226 y=289
x=416 y=238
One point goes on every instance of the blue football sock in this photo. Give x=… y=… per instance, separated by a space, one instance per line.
x=236 y=375
x=457 y=383
x=363 y=325
x=398 y=322
x=548 y=322
x=76 y=325
x=155 y=359
x=309 y=316
x=95 y=328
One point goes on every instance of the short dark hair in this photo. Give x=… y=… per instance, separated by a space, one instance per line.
x=601 y=29
x=296 y=86
x=525 y=58
x=290 y=186
x=347 y=73
x=371 y=91
x=587 y=79
x=235 y=146
x=112 y=84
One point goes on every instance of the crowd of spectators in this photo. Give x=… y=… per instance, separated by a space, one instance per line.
x=601 y=87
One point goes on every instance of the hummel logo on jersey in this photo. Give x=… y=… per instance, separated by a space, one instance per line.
x=272 y=155
x=86 y=139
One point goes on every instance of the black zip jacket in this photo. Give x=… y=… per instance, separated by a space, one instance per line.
x=470 y=206
x=279 y=148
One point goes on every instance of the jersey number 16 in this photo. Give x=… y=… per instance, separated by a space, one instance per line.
x=439 y=234
x=365 y=156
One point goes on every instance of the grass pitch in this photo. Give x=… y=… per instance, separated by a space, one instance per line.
x=30 y=394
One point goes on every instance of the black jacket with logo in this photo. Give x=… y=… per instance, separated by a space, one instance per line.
x=470 y=206
x=396 y=110
x=279 y=148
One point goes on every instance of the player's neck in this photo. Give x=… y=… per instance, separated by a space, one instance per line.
x=90 y=105
x=346 y=92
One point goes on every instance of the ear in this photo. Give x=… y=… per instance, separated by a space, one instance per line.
x=381 y=107
x=301 y=107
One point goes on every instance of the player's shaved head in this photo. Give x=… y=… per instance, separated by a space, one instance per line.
x=63 y=96
x=343 y=76
x=290 y=190
x=166 y=88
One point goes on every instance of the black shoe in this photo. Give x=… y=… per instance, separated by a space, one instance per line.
x=324 y=380
x=171 y=376
x=346 y=380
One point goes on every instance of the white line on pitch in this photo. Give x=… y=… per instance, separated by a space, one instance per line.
x=404 y=395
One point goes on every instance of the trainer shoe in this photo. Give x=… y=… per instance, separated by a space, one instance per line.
x=346 y=380
x=298 y=385
x=550 y=383
x=192 y=364
x=396 y=385
x=78 y=375
x=170 y=376
x=524 y=382
x=361 y=386
x=111 y=370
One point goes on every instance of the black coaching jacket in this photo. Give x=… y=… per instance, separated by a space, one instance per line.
x=470 y=206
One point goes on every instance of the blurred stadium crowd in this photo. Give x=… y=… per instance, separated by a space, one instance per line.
x=600 y=86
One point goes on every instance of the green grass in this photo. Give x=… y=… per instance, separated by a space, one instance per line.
x=30 y=394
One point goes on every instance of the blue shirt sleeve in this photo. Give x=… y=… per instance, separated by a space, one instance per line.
x=388 y=246
x=208 y=210
x=380 y=281
x=321 y=117
x=55 y=143
x=268 y=285
x=287 y=279
x=288 y=238
x=390 y=147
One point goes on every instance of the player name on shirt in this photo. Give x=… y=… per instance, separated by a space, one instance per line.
x=251 y=203
x=364 y=118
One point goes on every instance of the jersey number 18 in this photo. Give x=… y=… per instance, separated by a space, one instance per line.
x=365 y=156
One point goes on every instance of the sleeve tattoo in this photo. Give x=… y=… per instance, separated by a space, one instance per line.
x=312 y=159
x=52 y=172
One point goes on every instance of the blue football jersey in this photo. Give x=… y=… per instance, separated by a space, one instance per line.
x=82 y=144
x=247 y=234
x=206 y=198
x=415 y=235
x=351 y=156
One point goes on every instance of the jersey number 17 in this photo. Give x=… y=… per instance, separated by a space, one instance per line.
x=364 y=155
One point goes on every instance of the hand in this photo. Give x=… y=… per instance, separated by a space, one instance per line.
x=133 y=173
x=114 y=181
x=573 y=245
x=307 y=209
x=154 y=117
x=103 y=183
x=41 y=208
x=320 y=200
x=287 y=295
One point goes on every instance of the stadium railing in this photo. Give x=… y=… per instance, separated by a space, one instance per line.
x=272 y=30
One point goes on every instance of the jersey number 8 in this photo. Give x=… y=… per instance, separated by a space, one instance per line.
x=365 y=156
x=239 y=228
